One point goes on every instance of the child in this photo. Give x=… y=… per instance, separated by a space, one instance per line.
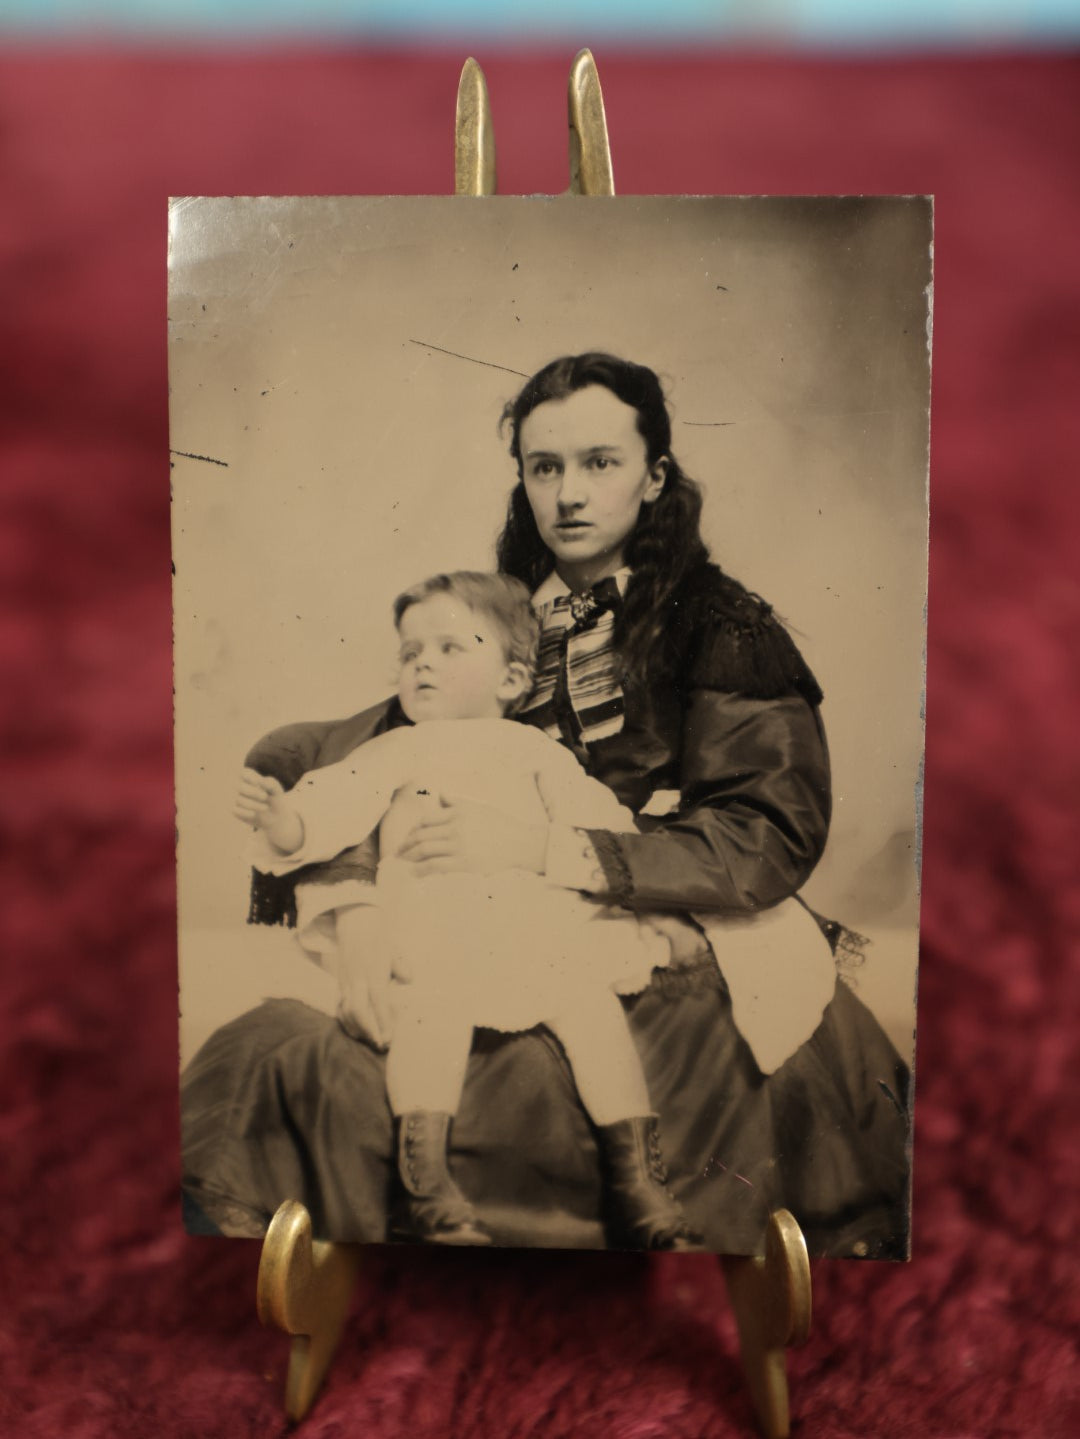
x=503 y=950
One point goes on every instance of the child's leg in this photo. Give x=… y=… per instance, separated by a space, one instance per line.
x=611 y=1084
x=429 y=1052
x=425 y=1072
x=607 y=1067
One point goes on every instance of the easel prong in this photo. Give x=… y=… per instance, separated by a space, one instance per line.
x=474 y=135
x=771 y=1298
x=304 y=1288
x=590 y=151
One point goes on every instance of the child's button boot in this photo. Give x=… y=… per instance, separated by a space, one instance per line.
x=437 y=1211
x=647 y=1215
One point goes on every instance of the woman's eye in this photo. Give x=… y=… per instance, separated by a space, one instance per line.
x=544 y=469
x=450 y=647
x=600 y=462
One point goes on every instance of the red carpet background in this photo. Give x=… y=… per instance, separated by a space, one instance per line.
x=112 y=1321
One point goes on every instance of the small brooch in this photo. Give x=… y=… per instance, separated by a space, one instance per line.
x=582 y=606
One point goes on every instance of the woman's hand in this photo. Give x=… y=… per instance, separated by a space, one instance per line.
x=683 y=938
x=365 y=1008
x=464 y=835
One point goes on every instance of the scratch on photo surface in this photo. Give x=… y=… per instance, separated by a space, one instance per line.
x=708 y=424
x=206 y=459
x=715 y=1163
x=426 y=345
x=890 y=1095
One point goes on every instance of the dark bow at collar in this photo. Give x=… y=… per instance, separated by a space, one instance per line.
x=587 y=607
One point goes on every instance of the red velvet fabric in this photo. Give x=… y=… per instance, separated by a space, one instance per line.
x=112 y=1321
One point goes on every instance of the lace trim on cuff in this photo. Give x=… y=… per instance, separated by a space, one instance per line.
x=620 y=882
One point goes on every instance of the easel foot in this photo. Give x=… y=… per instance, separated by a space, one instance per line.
x=304 y=1288
x=305 y=1285
x=771 y=1300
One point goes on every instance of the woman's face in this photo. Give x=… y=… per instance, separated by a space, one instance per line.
x=586 y=474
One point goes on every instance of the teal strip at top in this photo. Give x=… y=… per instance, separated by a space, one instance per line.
x=417 y=21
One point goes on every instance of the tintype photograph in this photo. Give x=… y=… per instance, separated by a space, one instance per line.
x=550 y=584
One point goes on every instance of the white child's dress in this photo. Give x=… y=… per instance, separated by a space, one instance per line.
x=512 y=948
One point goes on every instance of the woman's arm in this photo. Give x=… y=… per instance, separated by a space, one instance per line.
x=753 y=818
x=289 y=751
x=754 y=789
x=750 y=828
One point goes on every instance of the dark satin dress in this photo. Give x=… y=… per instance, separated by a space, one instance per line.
x=282 y=1104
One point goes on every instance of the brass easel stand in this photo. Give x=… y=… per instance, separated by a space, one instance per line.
x=304 y=1285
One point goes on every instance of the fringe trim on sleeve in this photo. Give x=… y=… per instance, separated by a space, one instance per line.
x=740 y=647
x=273 y=899
x=760 y=660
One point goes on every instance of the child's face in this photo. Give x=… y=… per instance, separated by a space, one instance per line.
x=453 y=664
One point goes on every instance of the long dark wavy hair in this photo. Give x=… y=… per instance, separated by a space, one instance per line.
x=665 y=545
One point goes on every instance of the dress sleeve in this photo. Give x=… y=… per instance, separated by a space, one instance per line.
x=317 y=908
x=288 y=753
x=754 y=800
x=572 y=797
x=575 y=802
x=341 y=804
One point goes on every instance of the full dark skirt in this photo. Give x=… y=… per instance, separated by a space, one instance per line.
x=282 y=1104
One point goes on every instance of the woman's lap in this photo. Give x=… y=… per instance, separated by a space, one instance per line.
x=281 y=1103
x=841 y=1120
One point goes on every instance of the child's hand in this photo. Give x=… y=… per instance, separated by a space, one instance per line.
x=261 y=802
x=256 y=799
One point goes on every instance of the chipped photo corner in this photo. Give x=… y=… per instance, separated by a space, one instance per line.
x=550 y=585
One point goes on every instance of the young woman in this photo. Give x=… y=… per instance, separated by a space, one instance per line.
x=681 y=691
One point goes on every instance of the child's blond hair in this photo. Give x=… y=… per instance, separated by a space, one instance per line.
x=502 y=600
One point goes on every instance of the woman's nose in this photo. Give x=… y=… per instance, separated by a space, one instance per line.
x=572 y=493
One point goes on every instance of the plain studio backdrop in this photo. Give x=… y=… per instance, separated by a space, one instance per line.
x=338 y=367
